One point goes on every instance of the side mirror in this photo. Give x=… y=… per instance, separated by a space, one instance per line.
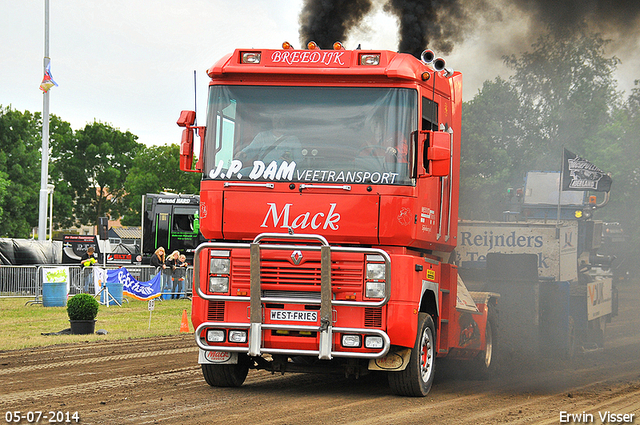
x=186 y=150
x=186 y=120
x=439 y=154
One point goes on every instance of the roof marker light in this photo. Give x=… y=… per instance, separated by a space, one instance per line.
x=370 y=59
x=287 y=46
x=251 y=57
x=312 y=45
x=338 y=46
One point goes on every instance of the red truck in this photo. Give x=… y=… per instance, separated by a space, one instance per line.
x=330 y=202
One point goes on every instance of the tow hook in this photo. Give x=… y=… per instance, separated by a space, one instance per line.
x=324 y=325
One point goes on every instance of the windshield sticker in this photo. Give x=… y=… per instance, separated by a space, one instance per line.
x=286 y=171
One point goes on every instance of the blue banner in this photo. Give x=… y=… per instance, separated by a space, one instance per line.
x=130 y=286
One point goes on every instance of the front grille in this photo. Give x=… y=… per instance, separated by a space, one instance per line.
x=373 y=317
x=216 y=311
x=292 y=294
x=280 y=271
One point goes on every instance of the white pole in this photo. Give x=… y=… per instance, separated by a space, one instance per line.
x=50 y=189
x=44 y=174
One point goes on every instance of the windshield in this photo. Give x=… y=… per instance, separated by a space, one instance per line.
x=310 y=134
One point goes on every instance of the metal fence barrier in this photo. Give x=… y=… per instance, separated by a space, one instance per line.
x=19 y=281
x=26 y=281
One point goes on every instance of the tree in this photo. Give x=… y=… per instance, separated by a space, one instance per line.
x=568 y=84
x=61 y=134
x=156 y=169
x=562 y=94
x=19 y=172
x=493 y=151
x=92 y=168
x=619 y=153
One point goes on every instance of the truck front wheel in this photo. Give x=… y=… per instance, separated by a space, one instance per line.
x=416 y=379
x=226 y=375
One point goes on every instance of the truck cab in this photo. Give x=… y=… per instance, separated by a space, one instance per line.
x=330 y=200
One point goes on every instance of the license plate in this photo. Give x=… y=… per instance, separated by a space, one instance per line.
x=294 y=316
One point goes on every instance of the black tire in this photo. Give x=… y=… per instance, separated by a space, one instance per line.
x=226 y=375
x=484 y=364
x=416 y=379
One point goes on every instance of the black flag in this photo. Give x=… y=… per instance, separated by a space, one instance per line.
x=580 y=174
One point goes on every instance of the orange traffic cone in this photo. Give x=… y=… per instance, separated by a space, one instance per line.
x=184 y=326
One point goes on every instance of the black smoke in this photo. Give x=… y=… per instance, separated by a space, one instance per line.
x=437 y=24
x=328 y=21
x=441 y=24
x=611 y=17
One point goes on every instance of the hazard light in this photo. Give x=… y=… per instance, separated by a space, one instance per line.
x=287 y=46
x=312 y=45
x=338 y=46
x=251 y=57
x=370 y=59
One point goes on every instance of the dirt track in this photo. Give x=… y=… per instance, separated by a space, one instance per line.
x=159 y=381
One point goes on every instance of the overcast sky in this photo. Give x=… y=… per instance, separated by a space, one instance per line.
x=130 y=63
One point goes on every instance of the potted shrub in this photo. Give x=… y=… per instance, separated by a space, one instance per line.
x=82 y=310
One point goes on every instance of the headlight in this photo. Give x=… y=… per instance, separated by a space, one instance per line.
x=376 y=271
x=215 y=335
x=352 y=341
x=373 y=342
x=219 y=266
x=218 y=284
x=237 y=336
x=374 y=289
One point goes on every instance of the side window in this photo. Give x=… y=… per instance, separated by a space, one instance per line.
x=225 y=133
x=429 y=115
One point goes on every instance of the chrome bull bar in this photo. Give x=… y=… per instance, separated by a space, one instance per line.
x=291 y=352
x=326 y=302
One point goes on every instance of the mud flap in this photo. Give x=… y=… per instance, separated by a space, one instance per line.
x=395 y=361
x=217 y=357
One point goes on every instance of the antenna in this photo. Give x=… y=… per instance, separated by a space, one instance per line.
x=195 y=97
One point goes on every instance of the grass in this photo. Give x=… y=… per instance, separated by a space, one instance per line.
x=21 y=326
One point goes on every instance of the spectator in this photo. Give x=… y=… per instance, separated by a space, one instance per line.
x=167 y=275
x=179 y=275
x=87 y=260
x=158 y=261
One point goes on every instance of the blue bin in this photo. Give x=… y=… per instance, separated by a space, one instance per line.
x=166 y=293
x=54 y=294
x=115 y=290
